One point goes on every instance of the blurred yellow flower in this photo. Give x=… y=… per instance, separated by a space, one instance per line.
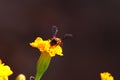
x=106 y=76
x=21 y=77
x=5 y=71
x=45 y=47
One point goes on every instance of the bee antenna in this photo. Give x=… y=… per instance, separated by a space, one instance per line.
x=67 y=36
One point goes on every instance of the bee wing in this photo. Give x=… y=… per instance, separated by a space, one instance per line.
x=54 y=31
x=67 y=36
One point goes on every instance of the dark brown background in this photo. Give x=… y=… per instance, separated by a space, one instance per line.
x=94 y=48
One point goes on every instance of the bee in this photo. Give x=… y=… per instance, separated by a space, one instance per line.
x=55 y=40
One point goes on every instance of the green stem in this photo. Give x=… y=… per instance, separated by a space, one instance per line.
x=42 y=65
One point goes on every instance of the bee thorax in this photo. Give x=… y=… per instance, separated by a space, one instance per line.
x=55 y=41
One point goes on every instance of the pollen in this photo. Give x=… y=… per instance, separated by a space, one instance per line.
x=45 y=47
x=5 y=71
x=106 y=76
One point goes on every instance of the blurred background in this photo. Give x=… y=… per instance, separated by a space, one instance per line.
x=94 y=48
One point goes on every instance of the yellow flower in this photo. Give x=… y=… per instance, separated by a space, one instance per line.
x=45 y=47
x=48 y=49
x=5 y=71
x=21 y=77
x=106 y=76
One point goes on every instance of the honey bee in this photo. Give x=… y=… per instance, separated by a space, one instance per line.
x=57 y=41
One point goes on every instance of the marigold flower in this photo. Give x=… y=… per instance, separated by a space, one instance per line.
x=45 y=47
x=48 y=48
x=5 y=71
x=47 y=52
x=106 y=76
